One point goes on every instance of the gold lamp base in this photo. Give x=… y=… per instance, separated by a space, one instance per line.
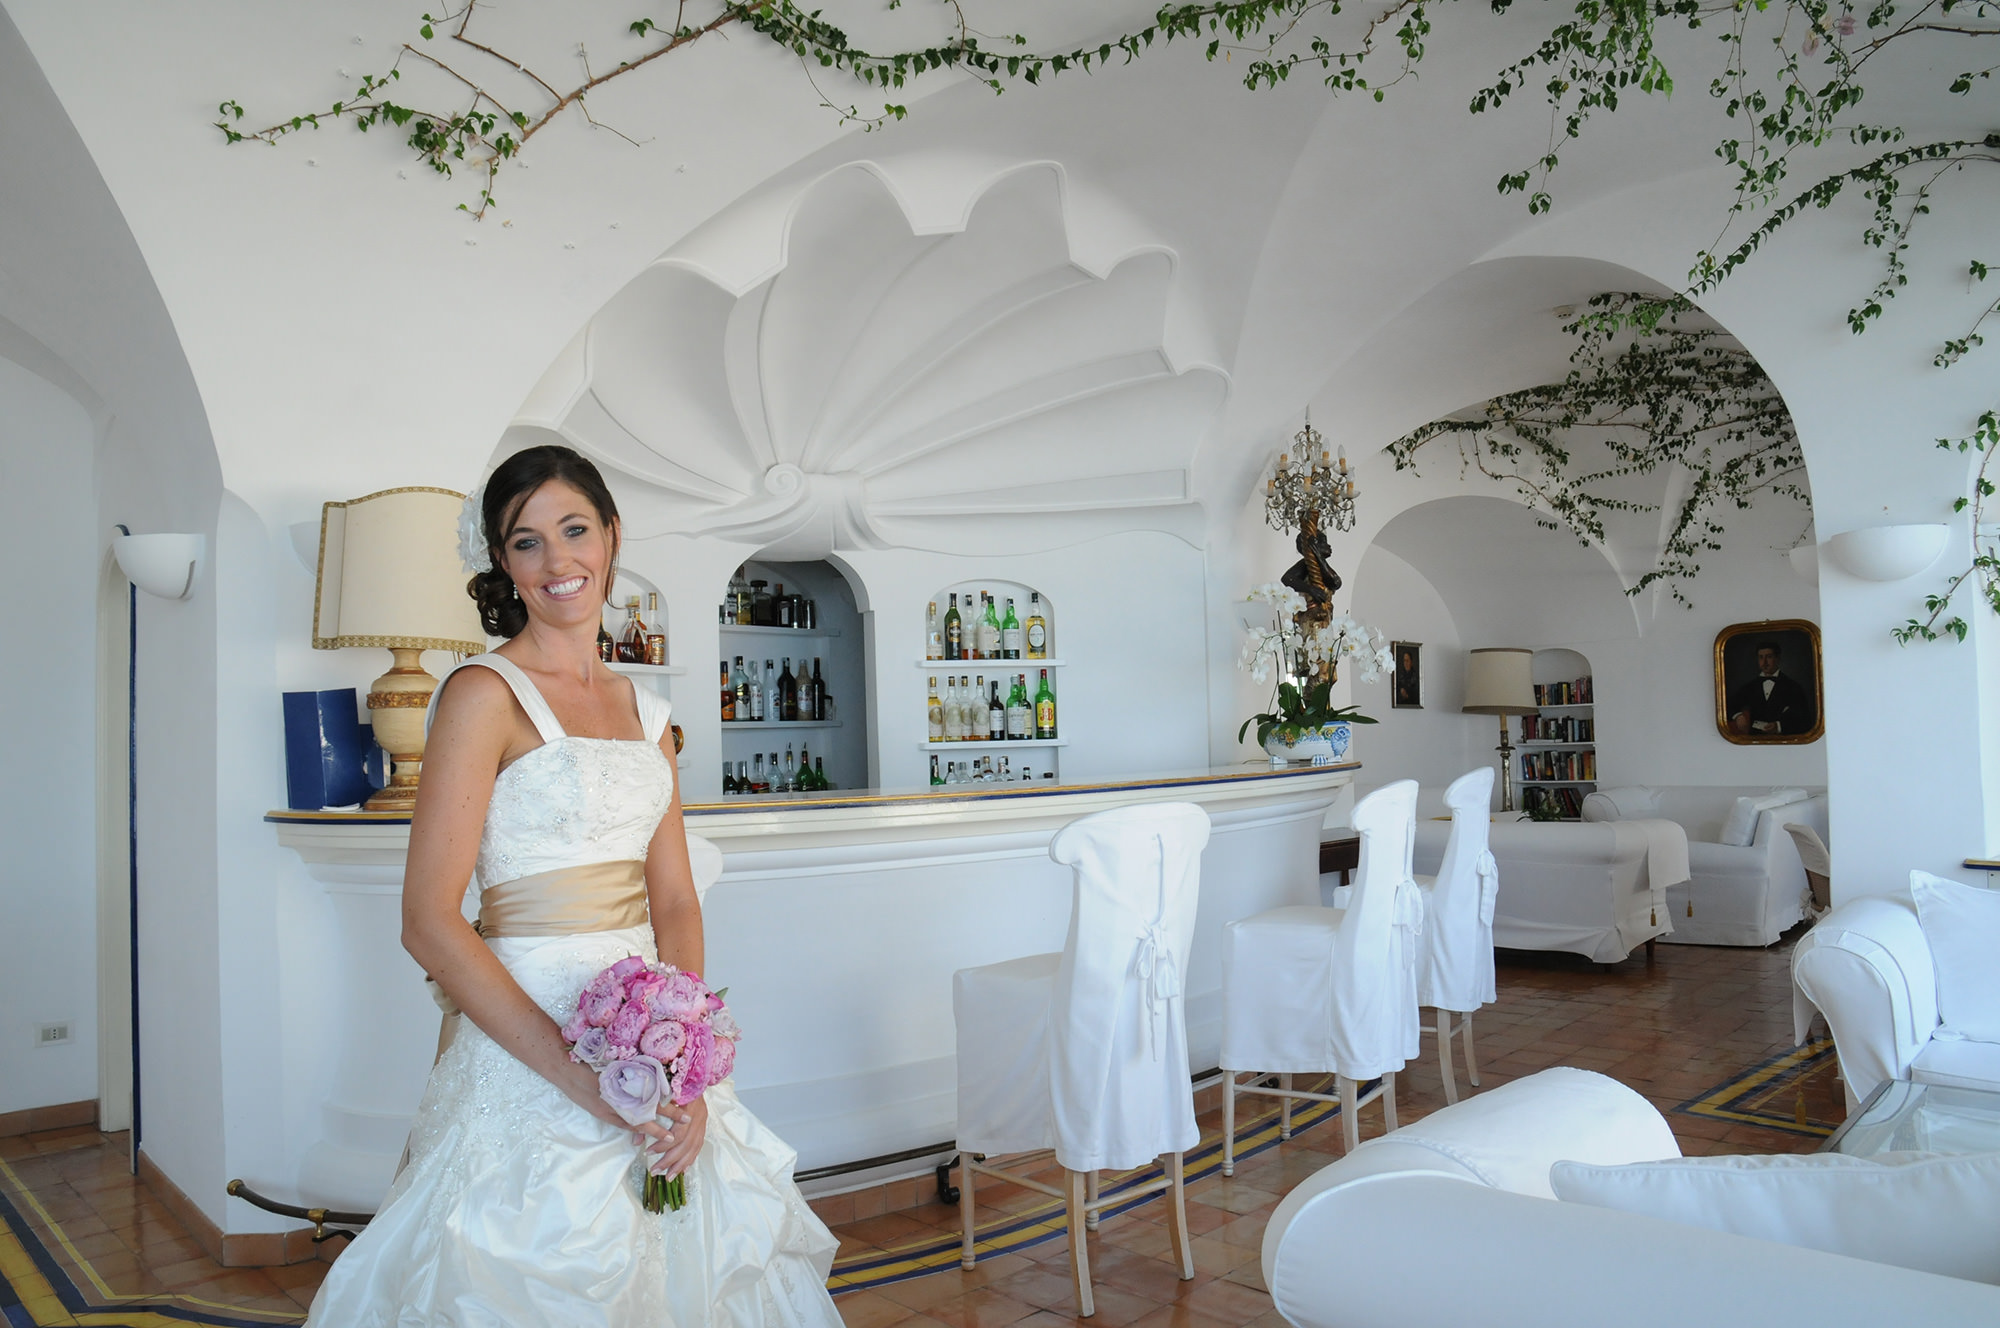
x=397 y=702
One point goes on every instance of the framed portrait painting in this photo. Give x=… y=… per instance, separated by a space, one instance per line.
x=1406 y=687
x=1767 y=682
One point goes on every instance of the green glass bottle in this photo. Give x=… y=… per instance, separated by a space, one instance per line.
x=1045 y=709
x=1010 y=633
x=954 y=633
x=989 y=628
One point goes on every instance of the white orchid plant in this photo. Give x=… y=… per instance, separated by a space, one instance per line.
x=1298 y=656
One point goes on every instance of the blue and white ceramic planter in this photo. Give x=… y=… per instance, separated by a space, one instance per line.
x=1325 y=745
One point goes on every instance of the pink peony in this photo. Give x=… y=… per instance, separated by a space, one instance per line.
x=627 y=968
x=645 y=988
x=721 y=1060
x=682 y=997
x=724 y=1024
x=630 y=1023
x=600 y=1008
x=691 y=1069
x=663 y=1041
x=573 y=1030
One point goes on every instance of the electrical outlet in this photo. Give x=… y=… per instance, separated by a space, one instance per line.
x=52 y=1035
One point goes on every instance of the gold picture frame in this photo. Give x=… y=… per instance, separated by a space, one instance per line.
x=1791 y=708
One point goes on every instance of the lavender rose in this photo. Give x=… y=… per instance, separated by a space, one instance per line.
x=593 y=1048
x=663 y=1041
x=632 y=1088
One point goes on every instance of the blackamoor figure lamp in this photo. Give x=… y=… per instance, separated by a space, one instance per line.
x=389 y=576
x=1498 y=681
x=1307 y=491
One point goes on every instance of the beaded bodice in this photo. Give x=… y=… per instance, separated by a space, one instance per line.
x=573 y=801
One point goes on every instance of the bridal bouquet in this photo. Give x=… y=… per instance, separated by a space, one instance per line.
x=653 y=1034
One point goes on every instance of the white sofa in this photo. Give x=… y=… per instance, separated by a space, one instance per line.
x=1586 y=889
x=1867 y=967
x=1453 y=1220
x=1742 y=894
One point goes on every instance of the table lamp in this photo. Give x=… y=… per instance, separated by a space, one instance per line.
x=389 y=576
x=1498 y=682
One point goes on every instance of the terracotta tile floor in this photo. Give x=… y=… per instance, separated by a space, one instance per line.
x=1671 y=1029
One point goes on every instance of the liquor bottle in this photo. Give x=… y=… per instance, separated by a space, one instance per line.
x=805 y=783
x=818 y=693
x=1038 y=628
x=819 y=773
x=656 y=631
x=933 y=633
x=791 y=771
x=632 y=642
x=953 y=632
x=954 y=718
x=728 y=694
x=743 y=599
x=758 y=783
x=1020 y=715
x=996 y=716
x=728 y=777
x=742 y=776
x=607 y=649
x=759 y=698
x=741 y=682
x=934 y=713
x=781 y=607
x=975 y=711
x=989 y=628
x=936 y=778
x=777 y=776
x=1010 y=633
x=769 y=708
x=788 y=693
x=1045 y=709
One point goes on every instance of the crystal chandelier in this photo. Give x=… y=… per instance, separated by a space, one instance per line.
x=1309 y=490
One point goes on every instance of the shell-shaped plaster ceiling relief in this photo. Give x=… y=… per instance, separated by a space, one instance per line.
x=963 y=391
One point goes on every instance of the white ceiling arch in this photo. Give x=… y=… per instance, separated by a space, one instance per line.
x=951 y=359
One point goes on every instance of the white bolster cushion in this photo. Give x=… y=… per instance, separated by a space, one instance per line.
x=1962 y=925
x=1636 y=802
x=1937 y=1215
x=1741 y=827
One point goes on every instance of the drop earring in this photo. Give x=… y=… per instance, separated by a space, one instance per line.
x=514 y=590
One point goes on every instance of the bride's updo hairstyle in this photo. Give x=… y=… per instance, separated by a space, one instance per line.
x=508 y=489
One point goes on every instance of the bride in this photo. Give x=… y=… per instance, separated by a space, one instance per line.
x=551 y=779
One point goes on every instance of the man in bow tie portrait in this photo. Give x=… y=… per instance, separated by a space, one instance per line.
x=1772 y=703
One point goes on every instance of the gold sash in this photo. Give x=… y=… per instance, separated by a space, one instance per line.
x=599 y=896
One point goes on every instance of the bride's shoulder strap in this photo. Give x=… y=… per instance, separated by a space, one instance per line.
x=543 y=718
x=654 y=711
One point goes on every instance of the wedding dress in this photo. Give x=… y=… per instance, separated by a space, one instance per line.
x=516 y=1207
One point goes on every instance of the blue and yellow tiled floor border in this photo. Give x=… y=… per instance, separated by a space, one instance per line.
x=1772 y=1093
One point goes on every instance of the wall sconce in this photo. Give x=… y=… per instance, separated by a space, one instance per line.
x=1888 y=553
x=163 y=565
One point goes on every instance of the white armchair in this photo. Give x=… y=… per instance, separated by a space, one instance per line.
x=1867 y=967
x=1745 y=880
x=1454 y=1220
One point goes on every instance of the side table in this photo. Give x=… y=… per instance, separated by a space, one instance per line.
x=1341 y=854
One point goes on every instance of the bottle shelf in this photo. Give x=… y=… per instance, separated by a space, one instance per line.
x=760 y=725
x=975 y=665
x=649 y=670
x=989 y=745
x=803 y=633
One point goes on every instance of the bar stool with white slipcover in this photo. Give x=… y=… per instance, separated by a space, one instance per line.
x=1455 y=958
x=1311 y=990
x=1086 y=1051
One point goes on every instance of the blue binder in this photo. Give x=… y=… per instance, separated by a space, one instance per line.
x=331 y=759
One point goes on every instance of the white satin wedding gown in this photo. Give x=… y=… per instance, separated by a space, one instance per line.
x=516 y=1208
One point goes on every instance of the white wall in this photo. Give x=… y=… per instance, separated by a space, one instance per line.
x=1438 y=743
x=48 y=872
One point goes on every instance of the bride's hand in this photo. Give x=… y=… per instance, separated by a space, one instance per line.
x=671 y=1150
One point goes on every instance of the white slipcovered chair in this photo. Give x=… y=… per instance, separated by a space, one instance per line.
x=1311 y=990
x=1869 y=968
x=1560 y=1199
x=1086 y=1051
x=1818 y=864
x=1455 y=953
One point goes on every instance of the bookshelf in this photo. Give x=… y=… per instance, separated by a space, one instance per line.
x=1558 y=754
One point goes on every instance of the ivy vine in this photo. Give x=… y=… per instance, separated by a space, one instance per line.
x=1791 y=80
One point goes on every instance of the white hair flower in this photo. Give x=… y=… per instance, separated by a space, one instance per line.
x=472 y=550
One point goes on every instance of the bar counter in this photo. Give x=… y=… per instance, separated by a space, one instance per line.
x=837 y=924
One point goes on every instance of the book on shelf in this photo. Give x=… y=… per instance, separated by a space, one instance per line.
x=1575 y=692
x=1553 y=728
